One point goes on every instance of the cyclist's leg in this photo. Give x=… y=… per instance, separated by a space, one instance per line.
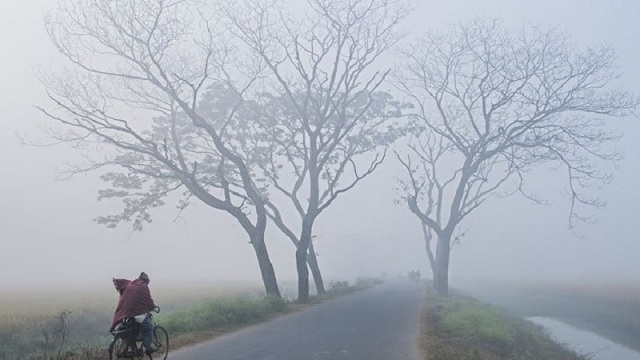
x=146 y=328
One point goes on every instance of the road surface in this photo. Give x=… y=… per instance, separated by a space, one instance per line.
x=380 y=323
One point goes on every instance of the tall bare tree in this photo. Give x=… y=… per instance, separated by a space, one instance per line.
x=323 y=74
x=492 y=105
x=341 y=168
x=139 y=71
x=257 y=142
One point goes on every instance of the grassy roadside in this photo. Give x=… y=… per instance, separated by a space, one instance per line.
x=611 y=310
x=199 y=321
x=458 y=327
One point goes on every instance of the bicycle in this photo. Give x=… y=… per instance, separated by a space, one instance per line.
x=127 y=341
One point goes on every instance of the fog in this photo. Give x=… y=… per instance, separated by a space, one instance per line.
x=49 y=237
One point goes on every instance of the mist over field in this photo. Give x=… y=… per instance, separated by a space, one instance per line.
x=50 y=241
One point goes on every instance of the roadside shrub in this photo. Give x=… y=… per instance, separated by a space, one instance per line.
x=343 y=287
x=339 y=287
x=367 y=282
x=56 y=332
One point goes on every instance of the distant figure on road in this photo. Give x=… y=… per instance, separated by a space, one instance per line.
x=414 y=275
x=135 y=302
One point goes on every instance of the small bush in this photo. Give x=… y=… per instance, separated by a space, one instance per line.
x=364 y=283
x=343 y=287
x=56 y=332
x=339 y=287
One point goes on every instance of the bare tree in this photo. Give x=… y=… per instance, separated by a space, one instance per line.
x=493 y=105
x=140 y=71
x=341 y=168
x=326 y=107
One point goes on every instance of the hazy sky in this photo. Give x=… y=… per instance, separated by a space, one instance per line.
x=48 y=234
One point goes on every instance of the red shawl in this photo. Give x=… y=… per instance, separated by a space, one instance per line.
x=135 y=299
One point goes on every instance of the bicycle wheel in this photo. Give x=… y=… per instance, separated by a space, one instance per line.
x=118 y=348
x=160 y=342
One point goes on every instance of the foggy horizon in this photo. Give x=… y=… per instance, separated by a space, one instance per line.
x=50 y=239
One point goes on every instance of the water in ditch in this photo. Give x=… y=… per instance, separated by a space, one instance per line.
x=585 y=342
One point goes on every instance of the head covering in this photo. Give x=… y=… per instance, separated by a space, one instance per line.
x=144 y=277
x=134 y=300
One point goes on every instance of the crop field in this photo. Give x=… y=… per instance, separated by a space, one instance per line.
x=33 y=323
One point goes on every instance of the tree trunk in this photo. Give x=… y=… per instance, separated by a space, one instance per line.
x=266 y=268
x=311 y=256
x=301 y=259
x=427 y=242
x=303 y=275
x=315 y=269
x=441 y=272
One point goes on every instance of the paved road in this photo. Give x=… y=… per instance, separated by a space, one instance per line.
x=376 y=324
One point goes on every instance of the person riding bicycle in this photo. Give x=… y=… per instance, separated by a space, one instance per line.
x=135 y=302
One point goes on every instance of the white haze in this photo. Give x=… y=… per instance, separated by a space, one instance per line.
x=48 y=236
